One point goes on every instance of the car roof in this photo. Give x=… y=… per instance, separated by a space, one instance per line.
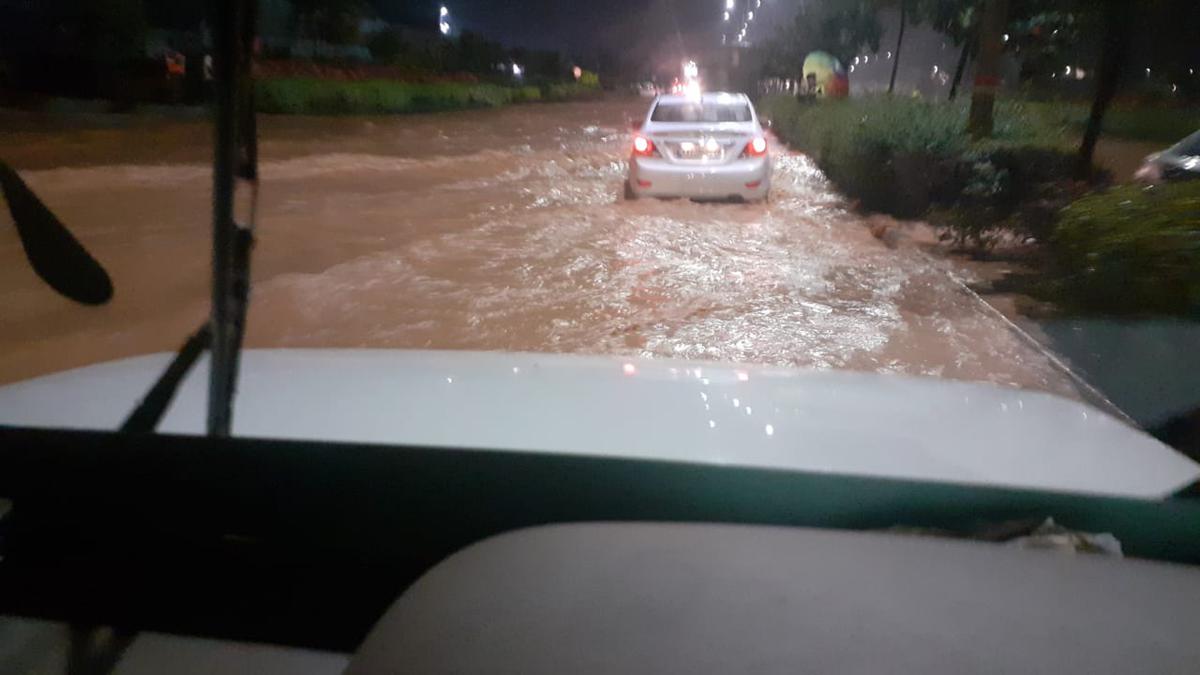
x=707 y=97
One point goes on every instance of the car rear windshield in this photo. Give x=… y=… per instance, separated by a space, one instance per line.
x=701 y=112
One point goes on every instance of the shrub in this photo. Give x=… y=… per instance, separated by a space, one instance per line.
x=901 y=156
x=1132 y=249
x=527 y=94
x=564 y=91
x=884 y=152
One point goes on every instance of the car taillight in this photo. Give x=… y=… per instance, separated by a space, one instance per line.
x=756 y=147
x=643 y=147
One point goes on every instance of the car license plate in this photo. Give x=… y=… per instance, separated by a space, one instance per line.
x=690 y=150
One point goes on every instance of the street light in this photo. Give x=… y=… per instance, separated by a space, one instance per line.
x=728 y=4
x=444 y=20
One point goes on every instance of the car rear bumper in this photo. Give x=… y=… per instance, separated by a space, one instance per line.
x=748 y=179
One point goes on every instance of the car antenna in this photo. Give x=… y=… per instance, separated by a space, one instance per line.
x=53 y=252
x=235 y=158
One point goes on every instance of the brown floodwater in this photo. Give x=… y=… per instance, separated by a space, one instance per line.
x=496 y=230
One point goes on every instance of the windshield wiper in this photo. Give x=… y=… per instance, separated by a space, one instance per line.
x=53 y=252
x=59 y=259
x=150 y=411
x=235 y=158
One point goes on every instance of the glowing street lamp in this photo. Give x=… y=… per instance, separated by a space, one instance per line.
x=444 y=20
x=577 y=72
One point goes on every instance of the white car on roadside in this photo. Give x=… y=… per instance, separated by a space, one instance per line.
x=706 y=147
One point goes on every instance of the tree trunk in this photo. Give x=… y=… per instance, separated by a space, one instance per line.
x=899 y=43
x=1117 y=32
x=987 y=68
x=961 y=68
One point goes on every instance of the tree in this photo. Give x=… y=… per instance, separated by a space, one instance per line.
x=957 y=20
x=177 y=14
x=385 y=46
x=1118 y=33
x=1045 y=34
x=987 y=79
x=474 y=53
x=842 y=28
x=113 y=32
x=899 y=44
x=332 y=21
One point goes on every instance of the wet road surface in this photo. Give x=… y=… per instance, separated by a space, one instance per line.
x=495 y=230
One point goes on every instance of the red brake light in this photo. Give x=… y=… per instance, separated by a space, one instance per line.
x=643 y=147
x=756 y=147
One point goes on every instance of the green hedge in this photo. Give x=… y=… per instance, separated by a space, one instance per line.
x=567 y=91
x=1132 y=249
x=902 y=156
x=330 y=97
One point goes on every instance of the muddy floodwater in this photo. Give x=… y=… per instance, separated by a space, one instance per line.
x=493 y=230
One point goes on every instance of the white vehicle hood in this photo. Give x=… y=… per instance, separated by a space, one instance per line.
x=861 y=424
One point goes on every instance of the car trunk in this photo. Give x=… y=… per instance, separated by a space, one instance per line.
x=702 y=145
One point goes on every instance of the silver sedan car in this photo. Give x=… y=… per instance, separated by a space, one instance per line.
x=706 y=147
x=1178 y=162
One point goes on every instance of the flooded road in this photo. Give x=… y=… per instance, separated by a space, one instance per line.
x=494 y=230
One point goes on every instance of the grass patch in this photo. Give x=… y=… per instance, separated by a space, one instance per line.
x=1131 y=249
x=1153 y=124
x=302 y=96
